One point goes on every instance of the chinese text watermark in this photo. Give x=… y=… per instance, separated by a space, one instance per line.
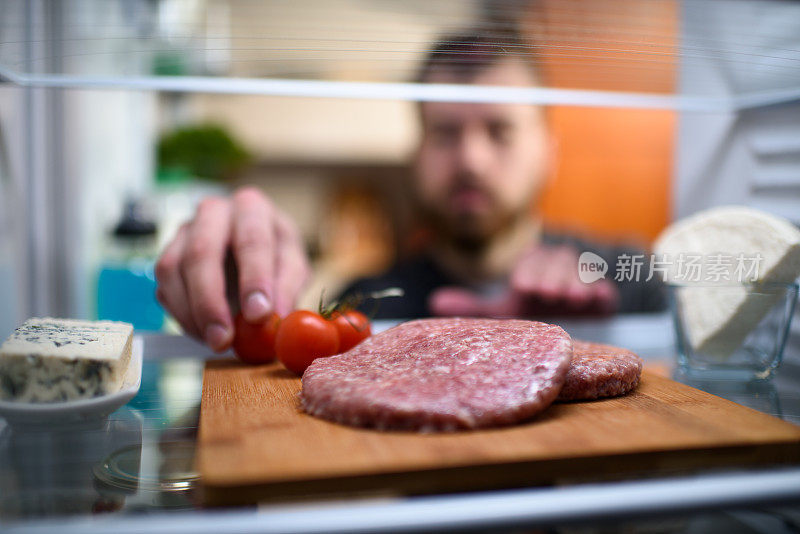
x=680 y=268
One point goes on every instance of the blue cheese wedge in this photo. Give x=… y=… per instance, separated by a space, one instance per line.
x=54 y=360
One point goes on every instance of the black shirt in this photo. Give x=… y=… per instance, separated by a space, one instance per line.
x=420 y=276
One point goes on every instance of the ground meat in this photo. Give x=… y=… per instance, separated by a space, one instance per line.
x=600 y=371
x=441 y=374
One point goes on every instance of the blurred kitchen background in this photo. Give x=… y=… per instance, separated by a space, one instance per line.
x=117 y=117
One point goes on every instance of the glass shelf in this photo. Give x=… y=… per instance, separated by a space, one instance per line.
x=134 y=472
x=668 y=54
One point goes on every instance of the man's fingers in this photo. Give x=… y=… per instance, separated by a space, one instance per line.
x=292 y=273
x=578 y=293
x=266 y=249
x=460 y=302
x=255 y=249
x=548 y=282
x=455 y=301
x=557 y=267
x=605 y=296
x=291 y=265
x=171 y=291
x=203 y=272
x=527 y=273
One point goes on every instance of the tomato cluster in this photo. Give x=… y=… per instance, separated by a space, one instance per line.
x=300 y=337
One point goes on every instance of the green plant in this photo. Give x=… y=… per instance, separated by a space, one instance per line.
x=204 y=151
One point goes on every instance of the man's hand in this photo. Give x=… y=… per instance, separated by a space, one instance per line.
x=544 y=282
x=268 y=252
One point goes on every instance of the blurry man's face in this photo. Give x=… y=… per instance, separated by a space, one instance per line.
x=480 y=165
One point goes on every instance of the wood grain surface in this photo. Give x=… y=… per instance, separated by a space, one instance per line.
x=255 y=444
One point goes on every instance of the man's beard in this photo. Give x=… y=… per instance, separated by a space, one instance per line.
x=470 y=233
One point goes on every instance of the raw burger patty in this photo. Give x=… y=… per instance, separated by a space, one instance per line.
x=600 y=371
x=441 y=374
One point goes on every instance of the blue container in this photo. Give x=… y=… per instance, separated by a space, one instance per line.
x=127 y=292
x=126 y=284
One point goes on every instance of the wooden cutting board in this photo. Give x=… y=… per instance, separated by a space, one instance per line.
x=255 y=444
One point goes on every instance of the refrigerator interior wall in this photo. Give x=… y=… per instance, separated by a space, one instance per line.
x=749 y=156
x=74 y=155
x=11 y=242
x=15 y=246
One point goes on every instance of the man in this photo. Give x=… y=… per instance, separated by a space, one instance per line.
x=479 y=169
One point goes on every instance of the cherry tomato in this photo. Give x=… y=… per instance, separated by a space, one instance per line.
x=353 y=327
x=255 y=343
x=304 y=336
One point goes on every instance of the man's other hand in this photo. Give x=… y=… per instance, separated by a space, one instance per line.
x=544 y=283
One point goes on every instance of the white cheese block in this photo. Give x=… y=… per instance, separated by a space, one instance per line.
x=52 y=360
x=720 y=311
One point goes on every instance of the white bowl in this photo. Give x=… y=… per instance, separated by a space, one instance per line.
x=77 y=412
